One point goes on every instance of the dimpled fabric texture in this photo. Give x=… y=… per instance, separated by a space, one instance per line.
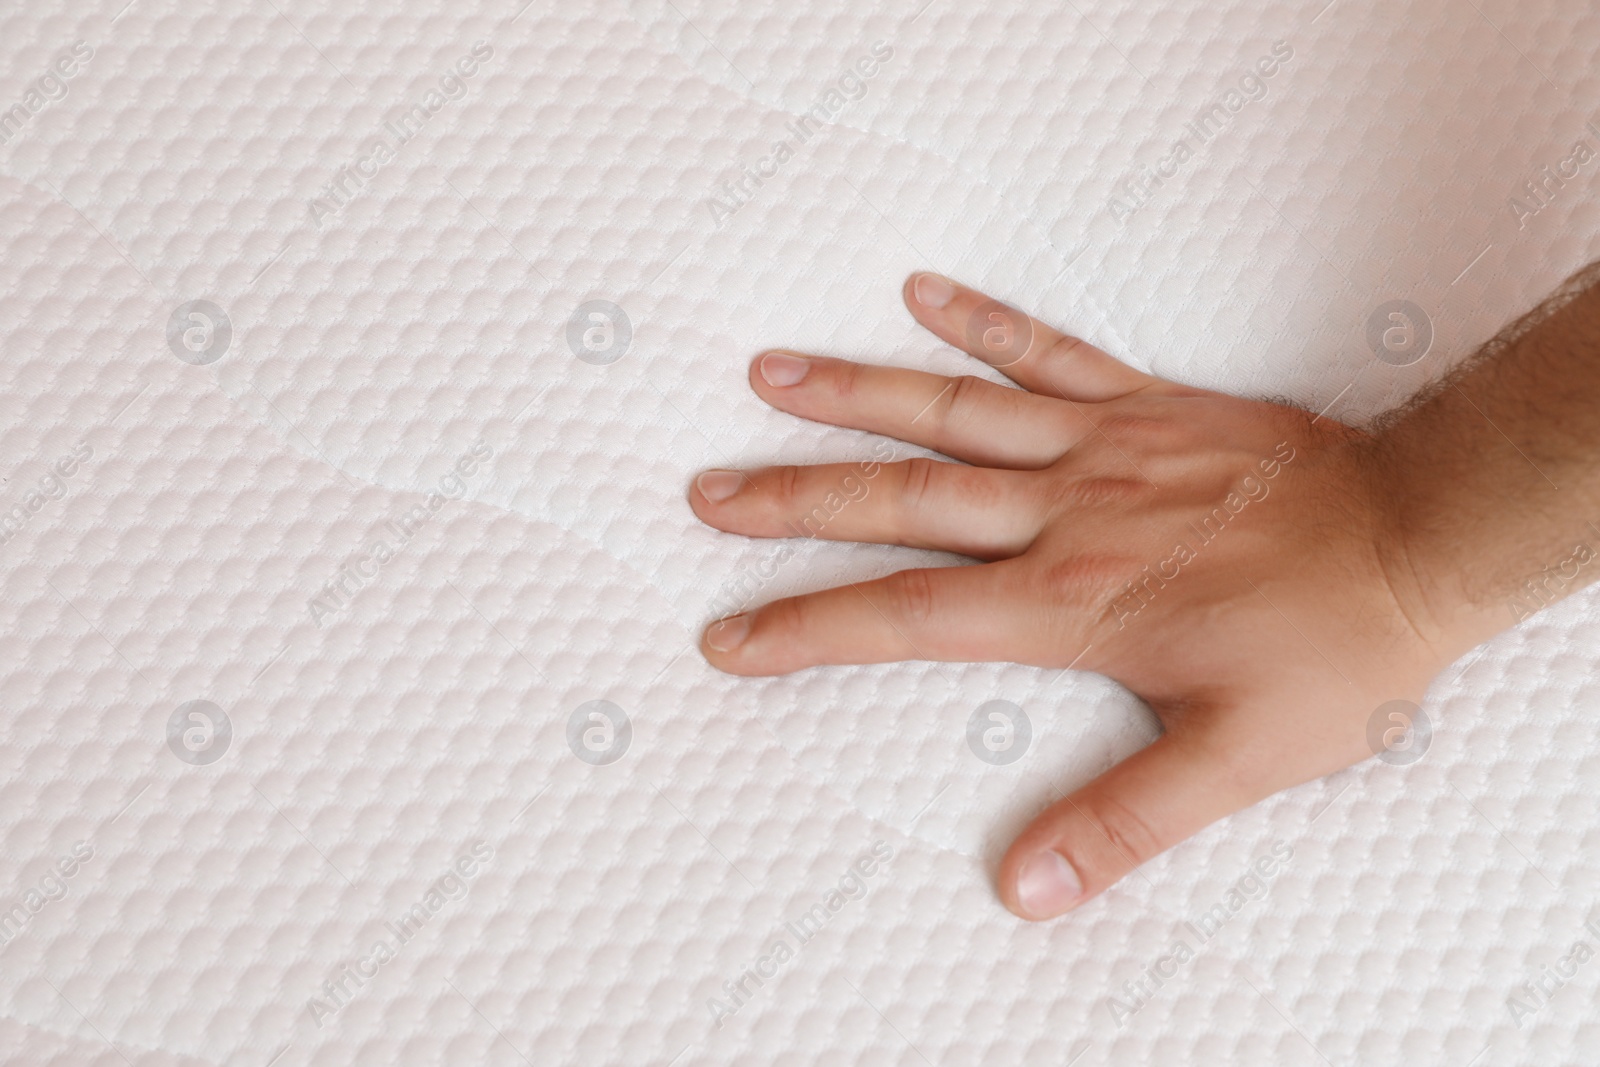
x=379 y=517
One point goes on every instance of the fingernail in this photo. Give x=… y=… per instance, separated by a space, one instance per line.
x=932 y=291
x=717 y=486
x=729 y=634
x=779 y=368
x=1047 y=885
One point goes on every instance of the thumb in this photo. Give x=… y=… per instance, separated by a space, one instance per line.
x=1141 y=807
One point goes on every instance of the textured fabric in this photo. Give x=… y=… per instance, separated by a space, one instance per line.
x=391 y=526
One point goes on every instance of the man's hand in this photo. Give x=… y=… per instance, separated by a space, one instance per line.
x=1244 y=567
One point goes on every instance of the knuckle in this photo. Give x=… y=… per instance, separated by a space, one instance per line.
x=845 y=378
x=1096 y=491
x=1081 y=579
x=916 y=483
x=1131 y=838
x=1074 y=595
x=963 y=400
x=1130 y=421
x=786 y=618
x=911 y=597
x=786 y=487
x=1064 y=350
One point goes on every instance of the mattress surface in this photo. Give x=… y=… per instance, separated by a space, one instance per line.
x=357 y=359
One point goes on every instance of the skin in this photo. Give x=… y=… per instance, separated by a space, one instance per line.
x=1264 y=578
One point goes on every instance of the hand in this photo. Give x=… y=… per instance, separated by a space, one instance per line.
x=1222 y=558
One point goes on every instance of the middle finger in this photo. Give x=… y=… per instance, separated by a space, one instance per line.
x=966 y=418
x=920 y=503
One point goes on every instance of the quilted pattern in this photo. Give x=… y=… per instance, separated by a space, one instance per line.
x=402 y=539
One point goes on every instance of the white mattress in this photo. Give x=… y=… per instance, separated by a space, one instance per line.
x=419 y=718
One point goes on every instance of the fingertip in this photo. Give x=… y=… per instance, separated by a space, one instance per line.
x=726 y=635
x=1041 y=885
x=718 y=660
x=709 y=491
x=776 y=376
x=725 y=644
x=928 y=291
x=716 y=486
x=780 y=370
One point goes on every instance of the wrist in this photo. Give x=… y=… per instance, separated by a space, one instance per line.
x=1439 y=554
x=1473 y=535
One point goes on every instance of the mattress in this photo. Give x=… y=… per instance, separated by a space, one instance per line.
x=358 y=357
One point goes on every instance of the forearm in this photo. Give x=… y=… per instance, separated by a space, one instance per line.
x=1493 y=479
